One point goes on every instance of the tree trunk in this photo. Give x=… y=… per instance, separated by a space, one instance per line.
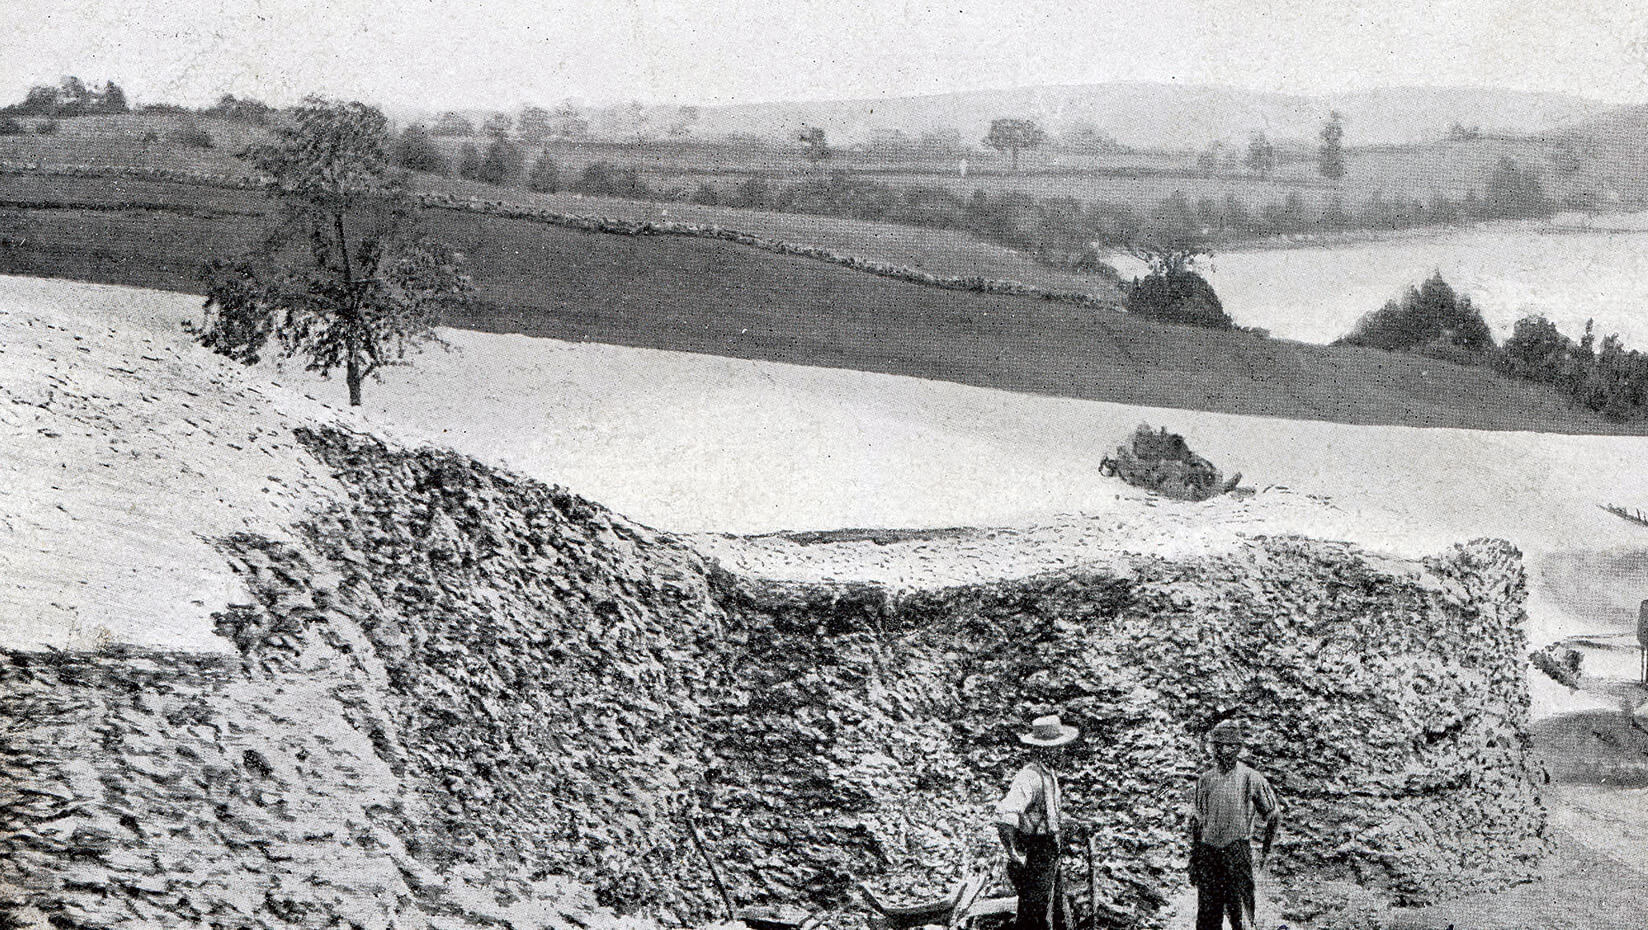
x=1014 y=151
x=355 y=376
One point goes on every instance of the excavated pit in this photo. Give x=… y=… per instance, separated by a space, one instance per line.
x=467 y=699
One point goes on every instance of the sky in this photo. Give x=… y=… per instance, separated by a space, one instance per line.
x=499 y=54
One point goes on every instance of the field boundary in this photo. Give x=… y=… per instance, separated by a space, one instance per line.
x=592 y=223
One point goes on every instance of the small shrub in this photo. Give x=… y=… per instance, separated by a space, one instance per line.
x=545 y=176
x=1177 y=297
x=1561 y=663
x=45 y=127
x=10 y=127
x=706 y=194
x=192 y=136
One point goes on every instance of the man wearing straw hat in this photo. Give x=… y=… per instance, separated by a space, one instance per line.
x=1228 y=798
x=1027 y=819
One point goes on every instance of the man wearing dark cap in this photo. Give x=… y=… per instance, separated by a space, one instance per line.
x=1027 y=819
x=1228 y=798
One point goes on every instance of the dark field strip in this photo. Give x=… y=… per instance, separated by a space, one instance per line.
x=720 y=298
x=120 y=206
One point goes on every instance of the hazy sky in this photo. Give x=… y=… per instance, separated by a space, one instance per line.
x=500 y=53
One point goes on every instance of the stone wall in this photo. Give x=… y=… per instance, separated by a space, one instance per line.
x=468 y=695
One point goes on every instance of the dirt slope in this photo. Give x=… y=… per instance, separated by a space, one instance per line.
x=428 y=690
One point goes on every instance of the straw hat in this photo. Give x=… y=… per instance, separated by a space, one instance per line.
x=1049 y=731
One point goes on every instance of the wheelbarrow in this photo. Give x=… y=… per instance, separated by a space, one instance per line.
x=954 y=910
x=781 y=917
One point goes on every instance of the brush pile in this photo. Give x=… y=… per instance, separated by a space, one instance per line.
x=1162 y=462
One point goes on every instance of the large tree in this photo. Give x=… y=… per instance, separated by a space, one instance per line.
x=535 y=124
x=1330 y=156
x=570 y=122
x=1261 y=155
x=453 y=123
x=416 y=151
x=344 y=279
x=502 y=163
x=1013 y=135
x=816 y=145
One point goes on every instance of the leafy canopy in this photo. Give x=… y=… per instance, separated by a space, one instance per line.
x=1429 y=317
x=344 y=279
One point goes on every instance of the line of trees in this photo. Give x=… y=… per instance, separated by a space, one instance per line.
x=1058 y=230
x=69 y=97
x=503 y=162
x=1435 y=320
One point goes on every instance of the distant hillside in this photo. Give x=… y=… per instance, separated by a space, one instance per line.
x=1622 y=125
x=1171 y=116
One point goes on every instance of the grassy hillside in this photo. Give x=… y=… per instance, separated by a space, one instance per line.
x=941 y=251
x=718 y=298
x=143 y=139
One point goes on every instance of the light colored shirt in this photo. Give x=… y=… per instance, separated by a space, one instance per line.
x=1226 y=803
x=1032 y=802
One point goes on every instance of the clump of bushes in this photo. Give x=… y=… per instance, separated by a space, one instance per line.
x=192 y=136
x=10 y=127
x=45 y=127
x=1177 y=296
x=1432 y=318
x=416 y=151
x=600 y=179
x=1435 y=320
x=1607 y=377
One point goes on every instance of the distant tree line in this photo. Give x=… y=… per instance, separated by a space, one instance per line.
x=1435 y=320
x=69 y=97
x=1060 y=231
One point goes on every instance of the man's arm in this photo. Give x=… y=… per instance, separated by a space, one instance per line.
x=1265 y=802
x=1271 y=823
x=1010 y=842
x=1010 y=813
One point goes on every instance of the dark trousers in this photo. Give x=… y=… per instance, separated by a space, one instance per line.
x=1039 y=886
x=1224 y=885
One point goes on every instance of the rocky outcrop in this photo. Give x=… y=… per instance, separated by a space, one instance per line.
x=150 y=789
x=466 y=690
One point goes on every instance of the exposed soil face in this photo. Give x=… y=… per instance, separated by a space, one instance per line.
x=498 y=681
x=499 y=684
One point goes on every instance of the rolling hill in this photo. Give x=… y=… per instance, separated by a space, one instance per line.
x=1170 y=116
x=714 y=297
